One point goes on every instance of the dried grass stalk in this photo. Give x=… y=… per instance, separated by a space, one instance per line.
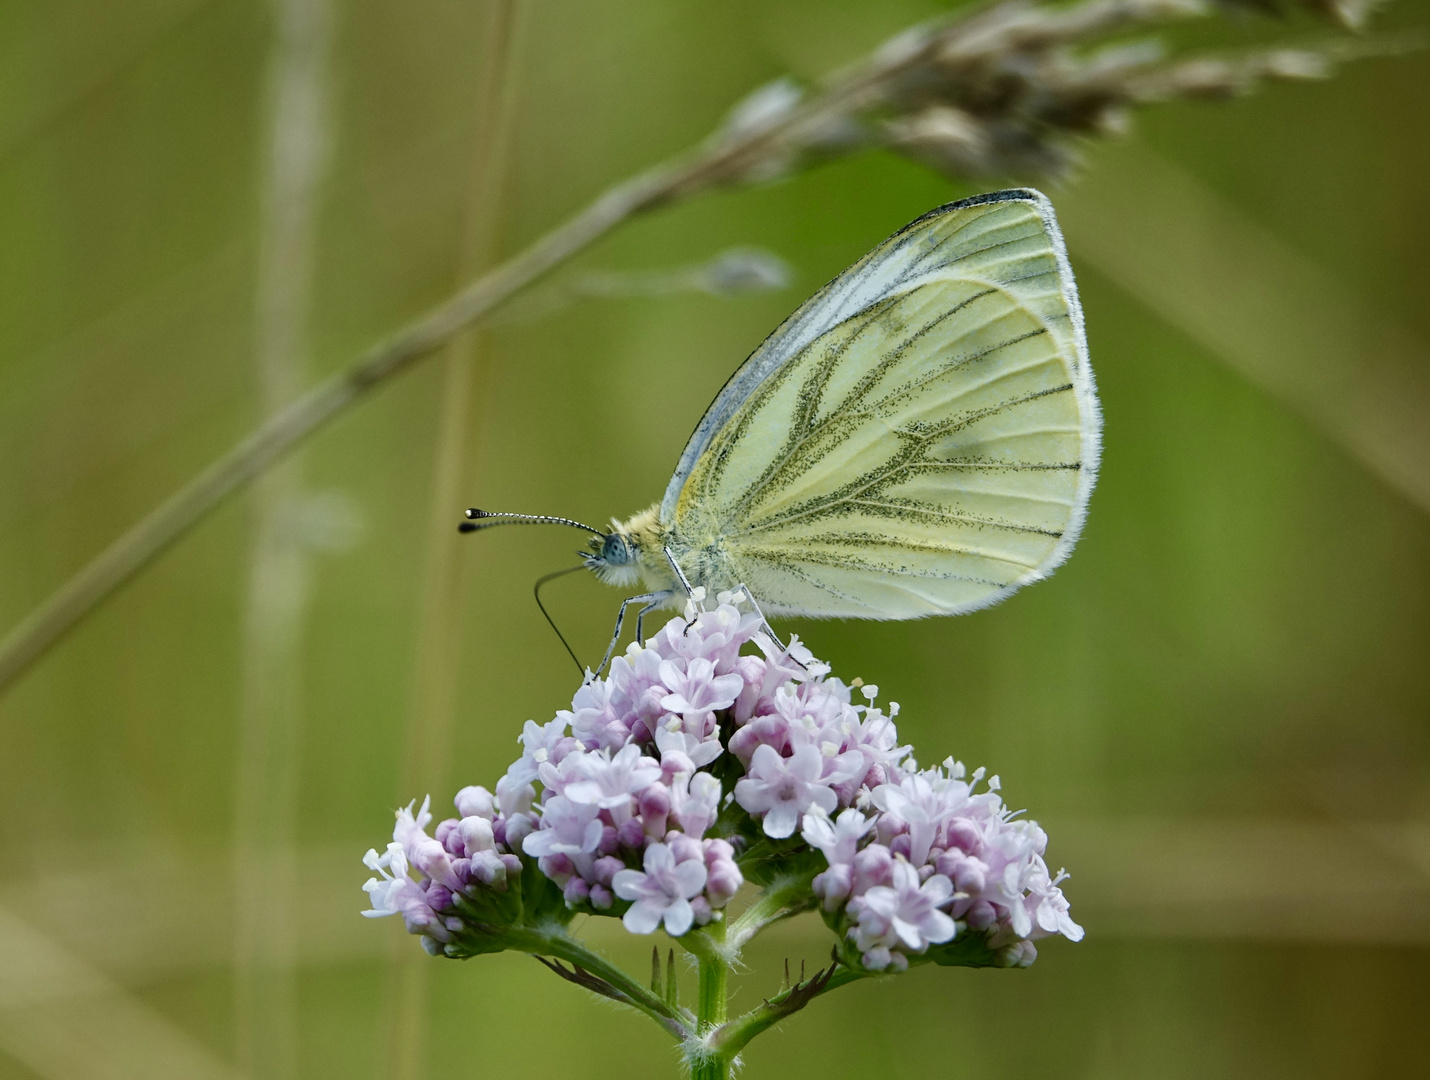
x=1008 y=91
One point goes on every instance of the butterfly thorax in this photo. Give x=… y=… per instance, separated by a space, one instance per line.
x=634 y=552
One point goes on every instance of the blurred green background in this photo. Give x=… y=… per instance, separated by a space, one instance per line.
x=1219 y=709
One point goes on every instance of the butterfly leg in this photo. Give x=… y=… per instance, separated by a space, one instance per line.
x=680 y=576
x=660 y=598
x=764 y=622
x=651 y=600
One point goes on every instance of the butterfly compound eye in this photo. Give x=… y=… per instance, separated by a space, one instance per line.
x=615 y=550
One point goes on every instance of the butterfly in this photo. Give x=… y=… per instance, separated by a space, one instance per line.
x=920 y=438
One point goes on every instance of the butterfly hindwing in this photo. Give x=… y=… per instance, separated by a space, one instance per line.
x=929 y=443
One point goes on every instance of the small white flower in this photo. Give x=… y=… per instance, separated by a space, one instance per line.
x=906 y=915
x=567 y=828
x=671 y=737
x=609 y=781
x=698 y=689
x=784 y=788
x=387 y=891
x=595 y=717
x=537 y=741
x=411 y=829
x=662 y=893
x=514 y=795
x=923 y=806
x=695 y=802
x=838 y=839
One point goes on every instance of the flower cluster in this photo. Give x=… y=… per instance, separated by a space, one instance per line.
x=937 y=855
x=708 y=754
x=465 y=856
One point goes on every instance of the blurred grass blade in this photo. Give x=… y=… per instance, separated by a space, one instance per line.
x=432 y=701
x=64 y=1020
x=271 y=705
x=1268 y=313
x=959 y=55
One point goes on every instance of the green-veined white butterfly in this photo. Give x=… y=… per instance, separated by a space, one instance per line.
x=919 y=438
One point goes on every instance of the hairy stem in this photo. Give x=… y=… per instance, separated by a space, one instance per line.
x=711 y=1008
x=782 y=898
x=730 y=1038
x=562 y=946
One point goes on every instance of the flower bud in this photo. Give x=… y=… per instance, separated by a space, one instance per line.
x=701 y=907
x=1018 y=954
x=683 y=847
x=605 y=868
x=488 y=868
x=563 y=748
x=631 y=834
x=981 y=915
x=877 y=958
x=476 y=835
x=475 y=801
x=723 y=882
x=673 y=763
x=872 y=866
x=963 y=834
x=577 y=891
x=443 y=833
x=752 y=670
x=557 y=867
x=431 y=859
x=518 y=826
x=970 y=876
x=888 y=828
x=610 y=840
x=601 y=898
x=655 y=808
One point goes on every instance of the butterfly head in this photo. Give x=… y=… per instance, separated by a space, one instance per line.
x=611 y=557
x=615 y=557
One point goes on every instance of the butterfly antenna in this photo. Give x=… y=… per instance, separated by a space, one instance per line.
x=485 y=519
x=547 y=615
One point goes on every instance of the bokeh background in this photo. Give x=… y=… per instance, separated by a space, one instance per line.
x=1219 y=708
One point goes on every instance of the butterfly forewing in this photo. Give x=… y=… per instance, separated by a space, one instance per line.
x=924 y=454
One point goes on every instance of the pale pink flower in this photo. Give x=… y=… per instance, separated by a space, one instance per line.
x=906 y=914
x=662 y=893
x=838 y=840
x=695 y=802
x=567 y=828
x=781 y=789
x=609 y=781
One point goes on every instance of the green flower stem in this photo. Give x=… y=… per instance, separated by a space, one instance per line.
x=556 y=943
x=730 y=1038
x=782 y=898
x=707 y=945
x=711 y=1040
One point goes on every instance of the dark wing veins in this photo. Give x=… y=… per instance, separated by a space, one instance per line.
x=911 y=454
